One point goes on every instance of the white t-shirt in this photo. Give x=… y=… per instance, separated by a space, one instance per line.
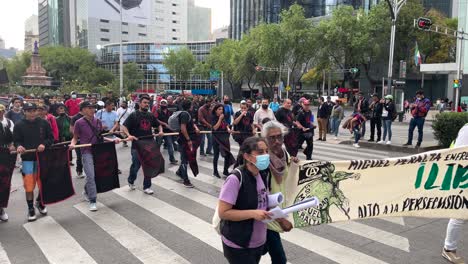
x=123 y=114
x=261 y=114
x=5 y=124
x=462 y=138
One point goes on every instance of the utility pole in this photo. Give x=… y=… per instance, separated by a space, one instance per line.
x=395 y=7
x=121 y=53
x=459 y=65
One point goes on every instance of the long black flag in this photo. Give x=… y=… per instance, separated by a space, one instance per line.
x=106 y=167
x=55 y=182
x=7 y=165
x=151 y=159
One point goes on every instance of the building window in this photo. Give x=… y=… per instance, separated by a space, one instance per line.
x=125 y=23
x=142 y=34
x=174 y=38
x=174 y=13
x=105 y=39
x=174 y=21
x=104 y=21
x=142 y=26
x=104 y=30
x=174 y=30
x=124 y=40
x=125 y=32
x=174 y=4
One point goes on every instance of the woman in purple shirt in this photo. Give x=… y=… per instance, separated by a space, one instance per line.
x=242 y=206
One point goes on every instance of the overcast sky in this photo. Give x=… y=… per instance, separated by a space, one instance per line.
x=13 y=13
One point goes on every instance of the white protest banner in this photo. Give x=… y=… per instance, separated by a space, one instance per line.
x=431 y=184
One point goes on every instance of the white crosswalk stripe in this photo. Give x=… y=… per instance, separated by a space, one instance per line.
x=3 y=256
x=56 y=243
x=143 y=246
x=185 y=221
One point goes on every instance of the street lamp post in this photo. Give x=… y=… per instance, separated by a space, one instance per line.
x=121 y=53
x=395 y=7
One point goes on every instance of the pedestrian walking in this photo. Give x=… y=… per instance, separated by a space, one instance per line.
x=419 y=110
x=305 y=123
x=228 y=111
x=163 y=115
x=286 y=117
x=108 y=117
x=243 y=124
x=221 y=145
x=43 y=112
x=274 y=106
x=204 y=121
x=140 y=124
x=388 y=115
x=262 y=113
x=79 y=163
x=16 y=112
x=337 y=115
x=243 y=204
x=63 y=125
x=123 y=113
x=32 y=133
x=277 y=176
x=376 y=109
x=329 y=105
x=73 y=104
x=362 y=107
x=6 y=142
x=322 y=119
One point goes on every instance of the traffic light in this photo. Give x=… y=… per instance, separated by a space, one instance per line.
x=259 y=68
x=456 y=83
x=424 y=23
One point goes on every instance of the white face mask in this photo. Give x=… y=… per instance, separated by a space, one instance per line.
x=73 y=96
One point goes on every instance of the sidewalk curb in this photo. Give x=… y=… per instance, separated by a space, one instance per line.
x=393 y=148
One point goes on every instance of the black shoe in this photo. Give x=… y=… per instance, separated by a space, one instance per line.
x=319 y=139
x=324 y=139
x=418 y=145
x=119 y=172
x=407 y=145
x=226 y=173
x=174 y=162
x=202 y=154
x=216 y=174
x=71 y=164
x=371 y=140
x=31 y=215
x=209 y=153
x=42 y=209
x=178 y=174
x=188 y=184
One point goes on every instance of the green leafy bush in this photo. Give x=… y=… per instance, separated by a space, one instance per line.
x=446 y=126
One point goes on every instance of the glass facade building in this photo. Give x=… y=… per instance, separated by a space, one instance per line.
x=54 y=22
x=149 y=57
x=246 y=14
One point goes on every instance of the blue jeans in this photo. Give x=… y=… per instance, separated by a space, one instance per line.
x=274 y=247
x=169 y=143
x=335 y=125
x=209 y=148
x=416 y=122
x=182 y=171
x=357 y=134
x=134 y=171
x=387 y=128
x=90 y=185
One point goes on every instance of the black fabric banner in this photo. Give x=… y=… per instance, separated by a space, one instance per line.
x=106 y=167
x=55 y=182
x=291 y=141
x=7 y=165
x=191 y=154
x=224 y=147
x=151 y=159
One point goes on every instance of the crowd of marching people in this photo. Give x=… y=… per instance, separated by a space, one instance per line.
x=269 y=136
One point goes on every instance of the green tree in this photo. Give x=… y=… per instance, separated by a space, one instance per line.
x=133 y=77
x=64 y=63
x=180 y=63
x=16 y=67
x=203 y=69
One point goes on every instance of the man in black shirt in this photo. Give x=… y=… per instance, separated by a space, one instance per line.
x=79 y=163
x=188 y=132
x=286 y=117
x=305 y=123
x=140 y=124
x=376 y=109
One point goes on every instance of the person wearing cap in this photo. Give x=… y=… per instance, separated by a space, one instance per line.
x=123 y=112
x=375 y=117
x=88 y=129
x=73 y=104
x=362 y=107
x=163 y=115
x=6 y=142
x=32 y=133
x=298 y=106
x=305 y=122
x=43 y=112
x=388 y=112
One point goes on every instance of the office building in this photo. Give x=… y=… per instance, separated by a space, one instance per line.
x=31 y=32
x=149 y=57
x=198 y=22
x=220 y=33
x=246 y=14
x=445 y=7
x=97 y=23
x=54 y=22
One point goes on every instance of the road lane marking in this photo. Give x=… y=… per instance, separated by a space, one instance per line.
x=3 y=256
x=56 y=243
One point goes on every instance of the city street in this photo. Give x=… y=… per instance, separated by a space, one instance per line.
x=174 y=225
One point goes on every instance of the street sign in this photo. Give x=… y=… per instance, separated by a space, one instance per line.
x=402 y=69
x=214 y=75
x=456 y=83
x=397 y=82
x=288 y=88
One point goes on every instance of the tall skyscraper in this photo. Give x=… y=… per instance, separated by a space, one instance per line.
x=31 y=32
x=198 y=22
x=445 y=7
x=54 y=22
x=97 y=23
x=246 y=14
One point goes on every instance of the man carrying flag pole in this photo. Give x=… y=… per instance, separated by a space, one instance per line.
x=140 y=124
x=6 y=146
x=88 y=131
